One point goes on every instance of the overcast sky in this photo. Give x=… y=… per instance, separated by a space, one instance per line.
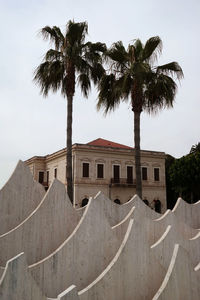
x=31 y=125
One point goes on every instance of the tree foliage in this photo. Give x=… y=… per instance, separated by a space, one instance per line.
x=172 y=195
x=195 y=148
x=184 y=176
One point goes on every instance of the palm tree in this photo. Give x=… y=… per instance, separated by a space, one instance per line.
x=132 y=75
x=71 y=61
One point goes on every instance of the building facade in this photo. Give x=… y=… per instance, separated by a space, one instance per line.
x=105 y=166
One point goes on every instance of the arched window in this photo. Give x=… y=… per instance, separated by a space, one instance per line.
x=117 y=201
x=146 y=202
x=84 y=202
x=157 y=206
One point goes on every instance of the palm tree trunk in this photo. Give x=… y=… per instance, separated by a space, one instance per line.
x=69 y=147
x=137 y=153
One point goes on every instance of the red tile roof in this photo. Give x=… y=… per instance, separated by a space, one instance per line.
x=106 y=143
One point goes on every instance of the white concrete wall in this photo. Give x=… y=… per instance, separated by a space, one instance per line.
x=44 y=230
x=81 y=257
x=17 y=283
x=181 y=281
x=163 y=248
x=188 y=213
x=19 y=197
x=127 y=276
x=101 y=252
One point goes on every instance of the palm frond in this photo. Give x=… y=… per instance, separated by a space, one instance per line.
x=92 y=56
x=140 y=70
x=54 y=35
x=52 y=55
x=92 y=52
x=82 y=66
x=96 y=47
x=41 y=77
x=76 y=32
x=96 y=72
x=172 y=69
x=59 y=34
x=152 y=49
x=108 y=97
x=56 y=74
x=159 y=93
x=84 y=82
x=117 y=53
x=49 y=76
x=137 y=48
x=126 y=83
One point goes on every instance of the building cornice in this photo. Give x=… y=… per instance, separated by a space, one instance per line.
x=34 y=159
x=102 y=149
x=98 y=149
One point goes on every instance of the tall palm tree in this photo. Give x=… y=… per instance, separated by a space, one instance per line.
x=132 y=75
x=71 y=61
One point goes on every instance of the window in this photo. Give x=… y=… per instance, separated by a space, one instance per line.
x=86 y=170
x=55 y=173
x=156 y=174
x=157 y=206
x=116 y=171
x=41 y=177
x=146 y=202
x=117 y=201
x=129 y=174
x=84 y=202
x=100 y=170
x=47 y=177
x=144 y=173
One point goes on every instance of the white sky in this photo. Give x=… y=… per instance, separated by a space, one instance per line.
x=31 y=125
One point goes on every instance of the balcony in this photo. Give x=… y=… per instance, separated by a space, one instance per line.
x=123 y=182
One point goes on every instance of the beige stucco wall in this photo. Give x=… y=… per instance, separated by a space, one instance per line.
x=59 y=164
x=37 y=166
x=87 y=187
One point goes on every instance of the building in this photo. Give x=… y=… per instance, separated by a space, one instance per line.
x=105 y=166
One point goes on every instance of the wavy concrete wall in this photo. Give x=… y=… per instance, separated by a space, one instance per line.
x=101 y=252
x=19 y=197
x=1 y=271
x=163 y=248
x=115 y=213
x=16 y=282
x=188 y=213
x=142 y=209
x=181 y=281
x=128 y=274
x=81 y=257
x=44 y=230
x=169 y=218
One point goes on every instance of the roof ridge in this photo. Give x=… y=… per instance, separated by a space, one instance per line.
x=107 y=143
